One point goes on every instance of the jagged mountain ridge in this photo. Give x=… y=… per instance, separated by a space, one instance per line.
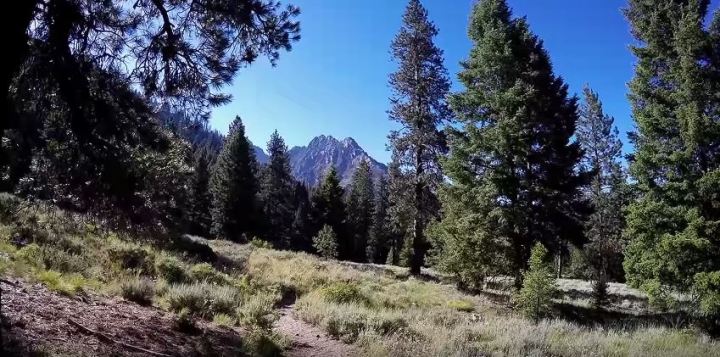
x=310 y=163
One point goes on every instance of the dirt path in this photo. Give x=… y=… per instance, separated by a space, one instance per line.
x=36 y=321
x=308 y=340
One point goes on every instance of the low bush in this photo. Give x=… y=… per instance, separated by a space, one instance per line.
x=170 y=269
x=132 y=257
x=257 y=312
x=259 y=243
x=31 y=254
x=224 y=320
x=185 y=323
x=193 y=248
x=138 y=289
x=8 y=204
x=205 y=272
x=203 y=299
x=461 y=305
x=343 y=293
x=56 y=281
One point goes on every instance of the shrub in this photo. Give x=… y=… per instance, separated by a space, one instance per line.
x=343 y=293
x=193 y=248
x=461 y=305
x=64 y=261
x=325 y=242
x=170 y=269
x=257 y=313
x=31 y=254
x=535 y=297
x=600 y=292
x=8 y=204
x=205 y=272
x=139 y=290
x=185 y=322
x=259 y=243
x=203 y=299
x=133 y=257
x=224 y=320
x=55 y=281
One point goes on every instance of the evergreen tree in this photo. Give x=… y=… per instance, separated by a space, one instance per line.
x=200 y=199
x=538 y=289
x=301 y=231
x=513 y=167
x=234 y=188
x=325 y=243
x=674 y=227
x=377 y=244
x=400 y=211
x=419 y=88
x=328 y=208
x=277 y=189
x=607 y=191
x=360 y=209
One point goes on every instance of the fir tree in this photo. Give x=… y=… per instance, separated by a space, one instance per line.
x=360 y=209
x=325 y=243
x=377 y=244
x=301 y=231
x=277 y=193
x=607 y=191
x=198 y=210
x=234 y=187
x=538 y=289
x=419 y=88
x=673 y=227
x=512 y=164
x=400 y=211
x=328 y=208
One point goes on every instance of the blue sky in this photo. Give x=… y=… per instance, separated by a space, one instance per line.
x=334 y=81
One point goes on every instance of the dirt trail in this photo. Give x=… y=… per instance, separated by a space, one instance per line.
x=308 y=340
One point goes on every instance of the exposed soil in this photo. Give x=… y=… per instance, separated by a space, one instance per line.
x=308 y=340
x=36 y=321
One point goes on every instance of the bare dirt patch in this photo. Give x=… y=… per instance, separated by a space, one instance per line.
x=38 y=321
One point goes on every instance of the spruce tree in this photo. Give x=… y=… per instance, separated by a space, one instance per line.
x=419 y=88
x=607 y=191
x=674 y=227
x=538 y=289
x=234 y=187
x=277 y=189
x=325 y=243
x=513 y=167
x=360 y=210
x=377 y=244
x=200 y=199
x=328 y=208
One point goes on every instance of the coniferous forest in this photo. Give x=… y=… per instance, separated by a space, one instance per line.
x=508 y=199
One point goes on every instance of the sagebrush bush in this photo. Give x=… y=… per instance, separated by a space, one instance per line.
x=343 y=292
x=258 y=313
x=203 y=299
x=170 y=269
x=31 y=254
x=8 y=205
x=461 y=305
x=64 y=261
x=205 y=272
x=138 y=289
x=132 y=257
x=224 y=320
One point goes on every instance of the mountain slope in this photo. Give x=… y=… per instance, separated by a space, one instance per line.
x=310 y=163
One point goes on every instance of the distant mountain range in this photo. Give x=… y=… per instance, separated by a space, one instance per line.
x=310 y=163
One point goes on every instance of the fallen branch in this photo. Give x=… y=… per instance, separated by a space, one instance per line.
x=9 y=283
x=105 y=338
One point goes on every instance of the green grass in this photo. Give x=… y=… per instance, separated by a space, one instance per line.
x=384 y=313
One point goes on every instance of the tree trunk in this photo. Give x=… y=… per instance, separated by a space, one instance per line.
x=418 y=254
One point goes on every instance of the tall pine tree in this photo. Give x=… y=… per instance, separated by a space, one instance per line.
x=419 y=88
x=360 y=209
x=675 y=225
x=512 y=165
x=301 y=230
x=400 y=211
x=277 y=190
x=607 y=192
x=328 y=208
x=234 y=187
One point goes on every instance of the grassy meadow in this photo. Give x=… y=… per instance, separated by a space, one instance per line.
x=382 y=311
